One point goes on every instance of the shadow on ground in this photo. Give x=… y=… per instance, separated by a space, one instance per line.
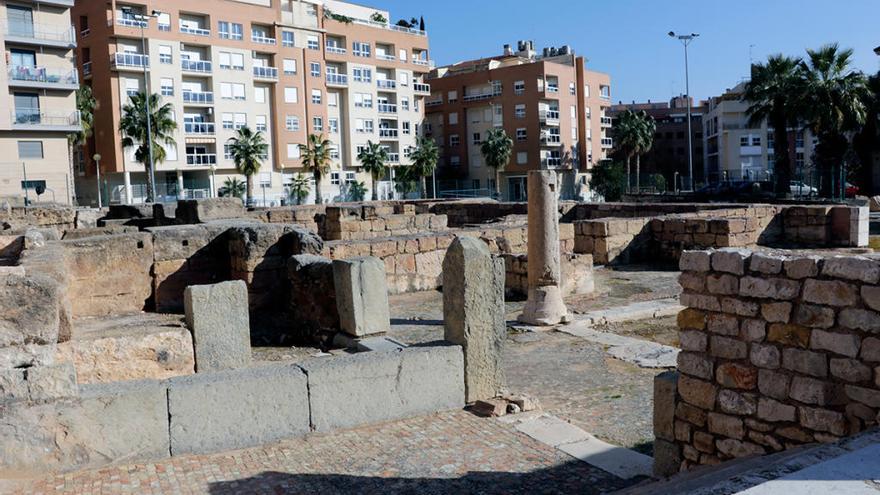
x=565 y=478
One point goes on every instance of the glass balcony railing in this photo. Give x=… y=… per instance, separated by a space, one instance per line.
x=198 y=97
x=387 y=108
x=421 y=88
x=50 y=118
x=201 y=159
x=198 y=127
x=262 y=40
x=337 y=79
x=198 y=31
x=43 y=75
x=334 y=49
x=39 y=33
x=125 y=59
x=388 y=133
x=386 y=83
x=393 y=157
x=129 y=21
x=196 y=65
x=265 y=72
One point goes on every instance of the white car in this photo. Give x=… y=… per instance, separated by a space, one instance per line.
x=798 y=188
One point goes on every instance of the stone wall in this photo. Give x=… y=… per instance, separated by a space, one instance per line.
x=777 y=351
x=357 y=222
x=577 y=274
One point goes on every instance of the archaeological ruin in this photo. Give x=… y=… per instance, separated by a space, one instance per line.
x=136 y=333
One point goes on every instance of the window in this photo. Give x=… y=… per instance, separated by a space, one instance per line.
x=452 y=96
x=261 y=124
x=519 y=87
x=605 y=92
x=521 y=134
x=360 y=49
x=227 y=152
x=240 y=121
x=453 y=118
x=165 y=54
x=362 y=74
x=756 y=140
x=403 y=79
x=332 y=99
x=317 y=124
x=290 y=95
x=405 y=127
x=333 y=125
x=402 y=54
x=230 y=30
x=260 y=94
x=454 y=140
x=496 y=88
x=167 y=86
x=349 y=178
x=586 y=90
x=316 y=96
x=571 y=88
x=334 y=178
x=404 y=103
x=520 y=111
x=476 y=138
x=312 y=42
x=522 y=157
x=315 y=69
x=291 y=123
x=363 y=100
x=289 y=66
x=363 y=126
x=287 y=38
x=30 y=149
x=744 y=141
x=232 y=91
x=228 y=120
x=293 y=151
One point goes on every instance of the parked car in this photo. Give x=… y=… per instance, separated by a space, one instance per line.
x=798 y=189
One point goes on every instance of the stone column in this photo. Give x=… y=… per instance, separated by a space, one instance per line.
x=544 y=305
x=218 y=316
x=473 y=313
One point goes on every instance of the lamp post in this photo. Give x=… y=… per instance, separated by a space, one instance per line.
x=97 y=158
x=143 y=19
x=686 y=40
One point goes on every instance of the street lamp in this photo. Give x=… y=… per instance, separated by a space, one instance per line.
x=143 y=19
x=686 y=40
x=97 y=158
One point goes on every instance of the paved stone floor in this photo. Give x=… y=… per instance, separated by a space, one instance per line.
x=445 y=453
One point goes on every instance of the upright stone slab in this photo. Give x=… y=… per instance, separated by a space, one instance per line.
x=473 y=313
x=218 y=317
x=544 y=305
x=361 y=295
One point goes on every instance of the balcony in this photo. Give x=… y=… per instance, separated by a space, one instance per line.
x=549 y=117
x=385 y=56
x=393 y=157
x=198 y=97
x=386 y=108
x=263 y=40
x=422 y=88
x=40 y=34
x=552 y=88
x=34 y=119
x=482 y=95
x=423 y=62
x=388 y=133
x=198 y=128
x=605 y=121
x=552 y=162
x=131 y=22
x=198 y=31
x=607 y=143
x=202 y=66
x=750 y=150
x=270 y=73
x=334 y=50
x=125 y=60
x=434 y=103
x=391 y=27
x=201 y=159
x=337 y=80
x=43 y=77
x=386 y=83
x=551 y=139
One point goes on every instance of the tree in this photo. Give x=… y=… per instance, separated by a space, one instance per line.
x=772 y=94
x=133 y=126
x=316 y=159
x=85 y=104
x=406 y=180
x=424 y=161
x=357 y=191
x=378 y=17
x=232 y=187
x=496 y=150
x=299 y=188
x=634 y=136
x=833 y=97
x=608 y=178
x=867 y=141
x=247 y=149
x=373 y=157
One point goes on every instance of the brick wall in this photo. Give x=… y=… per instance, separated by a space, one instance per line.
x=777 y=351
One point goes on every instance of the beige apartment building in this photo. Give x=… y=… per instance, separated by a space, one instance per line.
x=551 y=106
x=38 y=85
x=287 y=68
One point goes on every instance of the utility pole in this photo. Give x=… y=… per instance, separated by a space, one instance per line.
x=97 y=159
x=686 y=40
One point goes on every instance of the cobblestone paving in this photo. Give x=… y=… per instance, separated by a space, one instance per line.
x=447 y=453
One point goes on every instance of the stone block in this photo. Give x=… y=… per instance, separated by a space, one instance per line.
x=692 y=319
x=724 y=284
x=830 y=292
x=814 y=316
x=730 y=261
x=871 y=296
x=13 y=385
x=772 y=288
x=473 y=313
x=802 y=267
x=735 y=375
x=852 y=268
x=731 y=402
x=218 y=317
x=812 y=391
x=860 y=319
x=776 y=312
x=212 y=412
x=723 y=324
x=51 y=382
x=665 y=385
x=729 y=426
x=869 y=397
x=699 y=301
x=840 y=343
x=774 y=411
x=726 y=348
x=697 y=392
x=773 y=384
x=770 y=264
x=765 y=356
x=704 y=442
x=361 y=296
x=30 y=310
x=737 y=448
x=789 y=335
x=806 y=362
x=693 y=281
x=695 y=364
x=850 y=370
x=689 y=413
x=204 y=210
x=823 y=420
x=667 y=458
x=697 y=261
x=753 y=330
x=370 y=387
x=739 y=307
x=693 y=340
x=312 y=293
x=870 y=349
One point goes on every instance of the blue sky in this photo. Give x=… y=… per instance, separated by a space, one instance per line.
x=627 y=38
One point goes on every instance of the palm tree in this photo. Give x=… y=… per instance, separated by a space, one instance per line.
x=406 y=180
x=247 y=149
x=424 y=161
x=373 y=157
x=496 y=150
x=299 y=188
x=648 y=128
x=833 y=96
x=357 y=191
x=316 y=158
x=133 y=126
x=232 y=187
x=867 y=141
x=772 y=96
x=634 y=136
x=85 y=104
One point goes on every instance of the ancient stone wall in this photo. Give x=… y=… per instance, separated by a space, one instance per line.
x=357 y=222
x=577 y=274
x=777 y=351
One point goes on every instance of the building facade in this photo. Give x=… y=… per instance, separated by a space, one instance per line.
x=668 y=155
x=550 y=105
x=734 y=150
x=38 y=85
x=287 y=68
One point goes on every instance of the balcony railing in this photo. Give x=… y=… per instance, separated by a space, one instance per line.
x=263 y=40
x=423 y=62
x=391 y=27
x=27 y=117
x=335 y=49
x=385 y=56
x=483 y=95
x=551 y=139
x=393 y=157
x=198 y=97
x=434 y=103
x=337 y=79
x=422 y=88
x=387 y=108
x=198 y=127
x=386 y=83
x=552 y=88
x=131 y=22
x=196 y=65
x=201 y=159
x=605 y=121
x=548 y=115
x=261 y=72
x=553 y=162
x=389 y=133
x=195 y=30
x=43 y=75
x=39 y=33
x=125 y=59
